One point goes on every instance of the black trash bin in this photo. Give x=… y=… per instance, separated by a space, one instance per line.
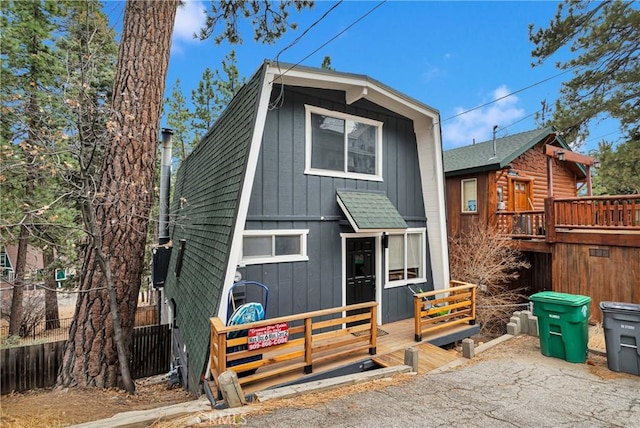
x=621 y=323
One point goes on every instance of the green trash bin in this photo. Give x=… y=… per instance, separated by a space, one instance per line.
x=563 y=324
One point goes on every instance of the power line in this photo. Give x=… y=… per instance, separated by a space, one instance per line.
x=335 y=37
x=507 y=95
x=277 y=102
x=324 y=15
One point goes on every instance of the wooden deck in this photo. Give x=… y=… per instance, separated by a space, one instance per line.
x=392 y=340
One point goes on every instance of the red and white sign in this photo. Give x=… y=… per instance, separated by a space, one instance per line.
x=269 y=335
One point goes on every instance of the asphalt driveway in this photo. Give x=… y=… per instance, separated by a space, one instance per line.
x=509 y=385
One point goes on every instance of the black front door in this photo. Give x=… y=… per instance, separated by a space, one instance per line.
x=361 y=271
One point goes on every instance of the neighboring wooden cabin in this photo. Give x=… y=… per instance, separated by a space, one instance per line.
x=482 y=182
x=318 y=184
x=528 y=188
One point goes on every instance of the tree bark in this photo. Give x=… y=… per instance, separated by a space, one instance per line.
x=122 y=202
x=17 y=300
x=51 y=314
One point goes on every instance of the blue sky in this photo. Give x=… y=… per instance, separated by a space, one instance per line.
x=453 y=56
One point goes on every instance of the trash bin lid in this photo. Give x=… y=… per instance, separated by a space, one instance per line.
x=560 y=298
x=620 y=307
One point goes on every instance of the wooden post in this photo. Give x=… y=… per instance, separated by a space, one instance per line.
x=589 y=186
x=549 y=176
x=308 y=345
x=550 y=219
x=222 y=352
x=473 y=303
x=374 y=330
x=417 y=307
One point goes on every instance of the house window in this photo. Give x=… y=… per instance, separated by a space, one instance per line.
x=341 y=145
x=274 y=246
x=405 y=257
x=470 y=196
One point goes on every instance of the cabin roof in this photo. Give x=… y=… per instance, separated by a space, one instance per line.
x=480 y=157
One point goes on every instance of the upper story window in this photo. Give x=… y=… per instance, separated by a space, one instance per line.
x=341 y=145
x=470 y=195
x=274 y=246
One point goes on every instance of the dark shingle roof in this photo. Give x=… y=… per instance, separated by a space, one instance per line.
x=480 y=157
x=205 y=205
x=369 y=210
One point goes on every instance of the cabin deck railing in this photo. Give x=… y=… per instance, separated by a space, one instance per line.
x=312 y=338
x=438 y=309
x=598 y=212
x=595 y=213
x=521 y=224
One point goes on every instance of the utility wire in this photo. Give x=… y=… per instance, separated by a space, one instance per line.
x=506 y=96
x=334 y=37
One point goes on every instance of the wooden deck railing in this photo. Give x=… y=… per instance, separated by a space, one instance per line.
x=313 y=337
x=598 y=212
x=595 y=213
x=521 y=224
x=456 y=305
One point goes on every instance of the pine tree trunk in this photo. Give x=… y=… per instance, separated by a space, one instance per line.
x=17 y=308
x=122 y=203
x=51 y=314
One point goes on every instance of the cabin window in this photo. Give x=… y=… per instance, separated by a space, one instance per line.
x=274 y=246
x=405 y=257
x=342 y=145
x=470 y=196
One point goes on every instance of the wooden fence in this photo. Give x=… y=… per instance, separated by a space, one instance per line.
x=145 y=315
x=318 y=336
x=36 y=366
x=456 y=306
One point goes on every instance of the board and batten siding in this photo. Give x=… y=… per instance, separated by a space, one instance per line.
x=283 y=197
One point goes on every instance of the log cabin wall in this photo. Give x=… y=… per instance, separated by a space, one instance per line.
x=532 y=166
x=604 y=273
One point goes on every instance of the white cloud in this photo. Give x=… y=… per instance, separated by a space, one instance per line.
x=190 y=18
x=479 y=123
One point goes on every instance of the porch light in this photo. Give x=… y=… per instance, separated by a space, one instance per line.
x=559 y=154
x=595 y=163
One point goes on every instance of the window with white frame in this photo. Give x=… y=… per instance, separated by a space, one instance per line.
x=405 y=257
x=274 y=246
x=470 y=195
x=342 y=145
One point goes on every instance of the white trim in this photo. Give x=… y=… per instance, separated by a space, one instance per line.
x=378 y=249
x=302 y=257
x=401 y=283
x=309 y=109
x=433 y=193
x=245 y=193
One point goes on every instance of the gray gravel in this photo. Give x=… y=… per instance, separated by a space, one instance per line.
x=510 y=385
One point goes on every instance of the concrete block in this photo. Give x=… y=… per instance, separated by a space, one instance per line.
x=231 y=390
x=517 y=321
x=513 y=329
x=468 y=350
x=533 y=325
x=524 y=321
x=411 y=359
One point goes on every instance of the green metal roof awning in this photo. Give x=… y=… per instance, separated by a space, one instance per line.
x=368 y=211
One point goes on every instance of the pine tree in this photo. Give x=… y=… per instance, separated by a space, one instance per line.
x=604 y=41
x=179 y=118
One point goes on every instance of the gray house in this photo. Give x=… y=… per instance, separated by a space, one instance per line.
x=327 y=187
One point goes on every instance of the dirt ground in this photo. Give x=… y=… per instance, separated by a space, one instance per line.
x=58 y=408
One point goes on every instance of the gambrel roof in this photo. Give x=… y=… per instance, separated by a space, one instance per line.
x=213 y=189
